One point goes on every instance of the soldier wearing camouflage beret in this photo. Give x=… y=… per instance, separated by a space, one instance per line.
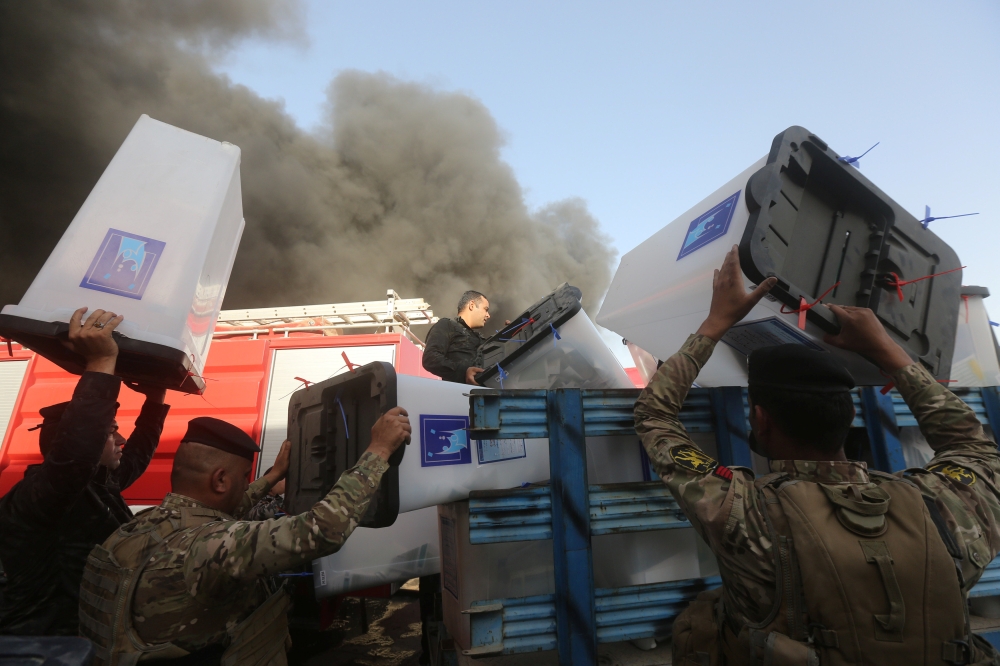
x=823 y=560
x=185 y=582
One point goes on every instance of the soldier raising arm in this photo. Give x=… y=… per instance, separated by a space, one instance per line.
x=183 y=582
x=823 y=559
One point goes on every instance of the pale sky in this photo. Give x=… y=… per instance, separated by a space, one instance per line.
x=644 y=108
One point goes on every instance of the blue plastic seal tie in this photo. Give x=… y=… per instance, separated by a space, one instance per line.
x=555 y=334
x=347 y=434
x=993 y=323
x=295 y=575
x=928 y=219
x=853 y=161
x=501 y=376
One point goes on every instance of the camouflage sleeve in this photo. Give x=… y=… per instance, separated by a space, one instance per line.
x=720 y=502
x=226 y=555
x=962 y=476
x=257 y=490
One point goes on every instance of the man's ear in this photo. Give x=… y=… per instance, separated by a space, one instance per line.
x=762 y=420
x=219 y=481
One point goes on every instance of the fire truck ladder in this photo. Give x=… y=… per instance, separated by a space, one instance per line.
x=394 y=314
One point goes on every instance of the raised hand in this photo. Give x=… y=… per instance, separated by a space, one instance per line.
x=861 y=332
x=390 y=432
x=730 y=300
x=279 y=470
x=92 y=339
x=154 y=394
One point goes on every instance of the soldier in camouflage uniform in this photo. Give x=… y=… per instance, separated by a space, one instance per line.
x=788 y=597
x=184 y=583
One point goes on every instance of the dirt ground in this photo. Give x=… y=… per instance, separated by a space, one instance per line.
x=392 y=639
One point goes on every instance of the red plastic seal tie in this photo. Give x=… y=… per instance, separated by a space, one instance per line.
x=350 y=366
x=516 y=330
x=304 y=381
x=888 y=387
x=899 y=284
x=805 y=307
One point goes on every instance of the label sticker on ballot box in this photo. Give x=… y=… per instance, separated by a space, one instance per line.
x=123 y=264
x=711 y=225
x=752 y=335
x=498 y=450
x=444 y=440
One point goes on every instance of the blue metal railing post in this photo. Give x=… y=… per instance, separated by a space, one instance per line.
x=576 y=622
x=731 y=426
x=883 y=432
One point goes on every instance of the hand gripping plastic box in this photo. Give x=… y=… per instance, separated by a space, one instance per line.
x=155 y=242
x=329 y=425
x=807 y=217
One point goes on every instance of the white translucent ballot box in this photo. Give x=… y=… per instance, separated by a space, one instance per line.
x=809 y=218
x=155 y=242
x=407 y=549
x=553 y=344
x=329 y=425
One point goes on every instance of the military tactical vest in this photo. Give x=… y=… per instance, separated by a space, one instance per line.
x=863 y=576
x=108 y=590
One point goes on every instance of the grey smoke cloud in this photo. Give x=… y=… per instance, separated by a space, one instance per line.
x=402 y=187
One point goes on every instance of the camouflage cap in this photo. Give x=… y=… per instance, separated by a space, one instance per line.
x=799 y=368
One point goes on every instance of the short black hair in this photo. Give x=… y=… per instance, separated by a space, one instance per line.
x=821 y=419
x=468 y=297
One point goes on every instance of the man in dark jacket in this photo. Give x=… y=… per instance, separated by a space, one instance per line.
x=71 y=502
x=452 y=344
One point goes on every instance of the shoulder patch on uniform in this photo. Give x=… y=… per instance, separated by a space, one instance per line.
x=723 y=472
x=954 y=472
x=692 y=459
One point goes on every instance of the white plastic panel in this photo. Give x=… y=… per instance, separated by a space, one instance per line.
x=315 y=365
x=429 y=476
x=11 y=376
x=974 y=362
x=167 y=212
x=407 y=549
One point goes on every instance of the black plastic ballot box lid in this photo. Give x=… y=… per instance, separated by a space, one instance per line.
x=329 y=426
x=533 y=326
x=815 y=221
x=139 y=361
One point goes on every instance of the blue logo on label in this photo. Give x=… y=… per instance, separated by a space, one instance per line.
x=123 y=264
x=709 y=226
x=444 y=440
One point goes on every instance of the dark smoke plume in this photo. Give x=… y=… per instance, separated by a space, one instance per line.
x=404 y=187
